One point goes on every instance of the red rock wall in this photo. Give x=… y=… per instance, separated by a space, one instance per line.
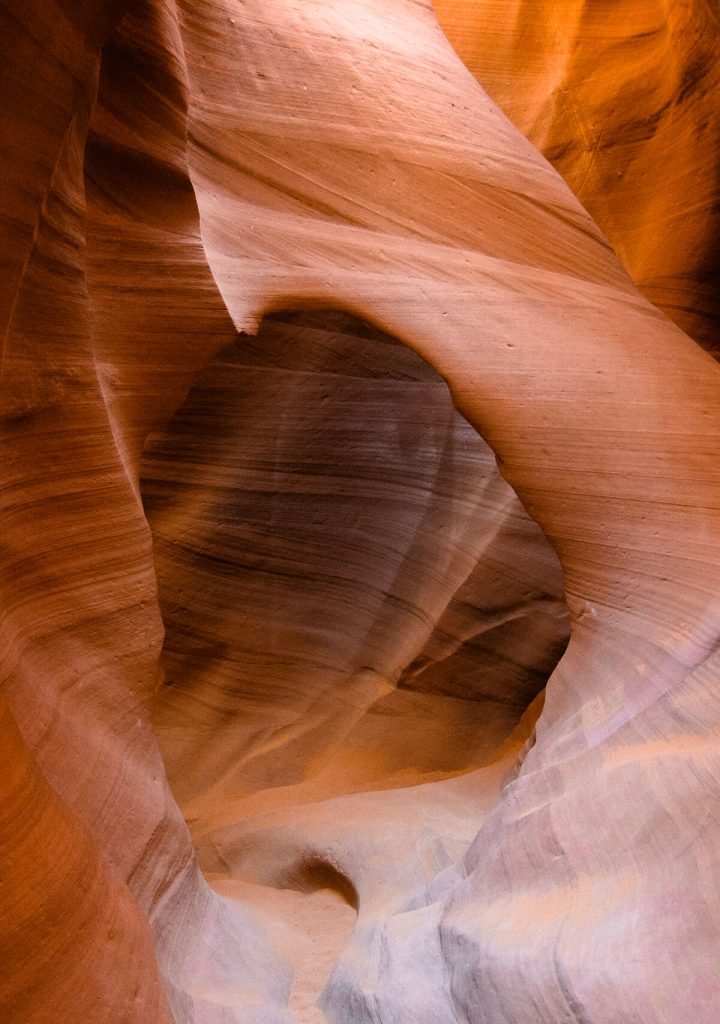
x=171 y=174
x=623 y=100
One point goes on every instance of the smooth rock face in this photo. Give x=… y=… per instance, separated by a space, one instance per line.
x=623 y=100
x=260 y=577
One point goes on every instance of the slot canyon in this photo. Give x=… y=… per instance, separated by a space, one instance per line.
x=360 y=544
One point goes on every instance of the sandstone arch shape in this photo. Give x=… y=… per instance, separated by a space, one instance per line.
x=407 y=197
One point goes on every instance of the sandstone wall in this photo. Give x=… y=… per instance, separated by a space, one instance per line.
x=347 y=713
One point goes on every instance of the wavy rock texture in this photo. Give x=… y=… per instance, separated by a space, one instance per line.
x=352 y=595
x=623 y=100
x=255 y=564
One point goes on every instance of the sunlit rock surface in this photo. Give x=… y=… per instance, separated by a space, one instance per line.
x=280 y=284
x=624 y=100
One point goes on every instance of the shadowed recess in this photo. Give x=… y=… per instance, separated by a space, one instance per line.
x=353 y=597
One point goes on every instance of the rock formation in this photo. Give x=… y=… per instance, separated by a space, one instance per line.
x=622 y=99
x=282 y=291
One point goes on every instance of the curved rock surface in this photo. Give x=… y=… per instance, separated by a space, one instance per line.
x=623 y=100
x=259 y=576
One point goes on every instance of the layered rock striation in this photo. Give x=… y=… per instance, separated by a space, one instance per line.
x=282 y=291
x=622 y=99
x=350 y=591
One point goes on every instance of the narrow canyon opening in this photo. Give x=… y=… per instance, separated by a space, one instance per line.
x=271 y=734
x=358 y=614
